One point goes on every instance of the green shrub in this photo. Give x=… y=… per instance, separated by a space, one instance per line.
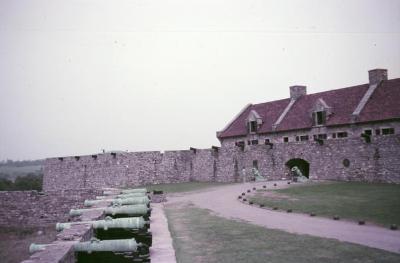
x=5 y=184
x=31 y=181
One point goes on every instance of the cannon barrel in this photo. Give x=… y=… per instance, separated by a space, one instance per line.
x=110 y=193
x=137 y=190
x=109 y=223
x=137 y=210
x=94 y=202
x=78 y=212
x=116 y=245
x=134 y=210
x=125 y=191
x=122 y=195
x=132 y=201
x=136 y=200
x=37 y=247
x=129 y=223
x=132 y=195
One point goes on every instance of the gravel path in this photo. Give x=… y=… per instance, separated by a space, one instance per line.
x=223 y=201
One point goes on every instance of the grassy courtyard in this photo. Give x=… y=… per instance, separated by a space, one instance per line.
x=378 y=203
x=200 y=236
x=182 y=187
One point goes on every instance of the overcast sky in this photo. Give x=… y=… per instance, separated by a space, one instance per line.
x=79 y=76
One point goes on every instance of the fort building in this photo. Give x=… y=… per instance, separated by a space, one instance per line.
x=350 y=133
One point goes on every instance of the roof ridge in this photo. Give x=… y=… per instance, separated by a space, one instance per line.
x=344 y=99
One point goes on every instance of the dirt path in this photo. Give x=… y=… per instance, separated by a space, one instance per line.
x=223 y=201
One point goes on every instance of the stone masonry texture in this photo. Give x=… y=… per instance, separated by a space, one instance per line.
x=32 y=208
x=377 y=161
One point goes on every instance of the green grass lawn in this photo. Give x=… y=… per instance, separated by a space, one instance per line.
x=378 y=203
x=182 y=187
x=199 y=236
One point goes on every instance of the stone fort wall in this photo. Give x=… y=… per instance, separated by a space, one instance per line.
x=377 y=161
x=32 y=208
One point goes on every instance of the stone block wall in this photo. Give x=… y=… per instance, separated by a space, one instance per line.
x=32 y=208
x=378 y=161
x=129 y=169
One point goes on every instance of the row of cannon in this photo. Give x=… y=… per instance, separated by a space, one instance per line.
x=122 y=236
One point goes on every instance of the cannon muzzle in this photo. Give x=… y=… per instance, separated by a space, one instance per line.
x=37 y=247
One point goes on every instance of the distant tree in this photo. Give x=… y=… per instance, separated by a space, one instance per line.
x=29 y=182
x=11 y=163
x=6 y=185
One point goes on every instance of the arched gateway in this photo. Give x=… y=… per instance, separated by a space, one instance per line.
x=303 y=165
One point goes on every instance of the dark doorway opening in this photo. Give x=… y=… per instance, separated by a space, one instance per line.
x=215 y=171
x=236 y=171
x=303 y=165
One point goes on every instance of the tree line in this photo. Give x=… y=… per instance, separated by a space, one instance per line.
x=11 y=163
x=31 y=181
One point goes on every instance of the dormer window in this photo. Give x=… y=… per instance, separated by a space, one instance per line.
x=254 y=121
x=320 y=117
x=321 y=112
x=252 y=126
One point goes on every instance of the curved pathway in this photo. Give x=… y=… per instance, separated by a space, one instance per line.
x=223 y=201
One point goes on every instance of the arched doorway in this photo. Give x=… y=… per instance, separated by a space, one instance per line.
x=303 y=165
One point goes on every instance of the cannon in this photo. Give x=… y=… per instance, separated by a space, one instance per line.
x=117 y=250
x=116 y=245
x=37 y=247
x=122 y=196
x=102 y=197
x=110 y=192
x=132 y=201
x=126 y=191
x=122 y=201
x=89 y=203
x=298 y=175
x=137 y=190
x=109 y=223
x=132 y=210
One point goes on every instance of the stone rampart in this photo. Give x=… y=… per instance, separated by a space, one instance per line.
x=335 y=159
x=129 y=169
x=32 y=208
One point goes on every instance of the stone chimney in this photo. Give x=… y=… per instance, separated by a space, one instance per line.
x=297 y=91
x=377 y=75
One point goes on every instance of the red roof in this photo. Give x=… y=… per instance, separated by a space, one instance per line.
x=382 y=105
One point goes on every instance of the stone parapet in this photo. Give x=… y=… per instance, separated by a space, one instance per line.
x=32 y=208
